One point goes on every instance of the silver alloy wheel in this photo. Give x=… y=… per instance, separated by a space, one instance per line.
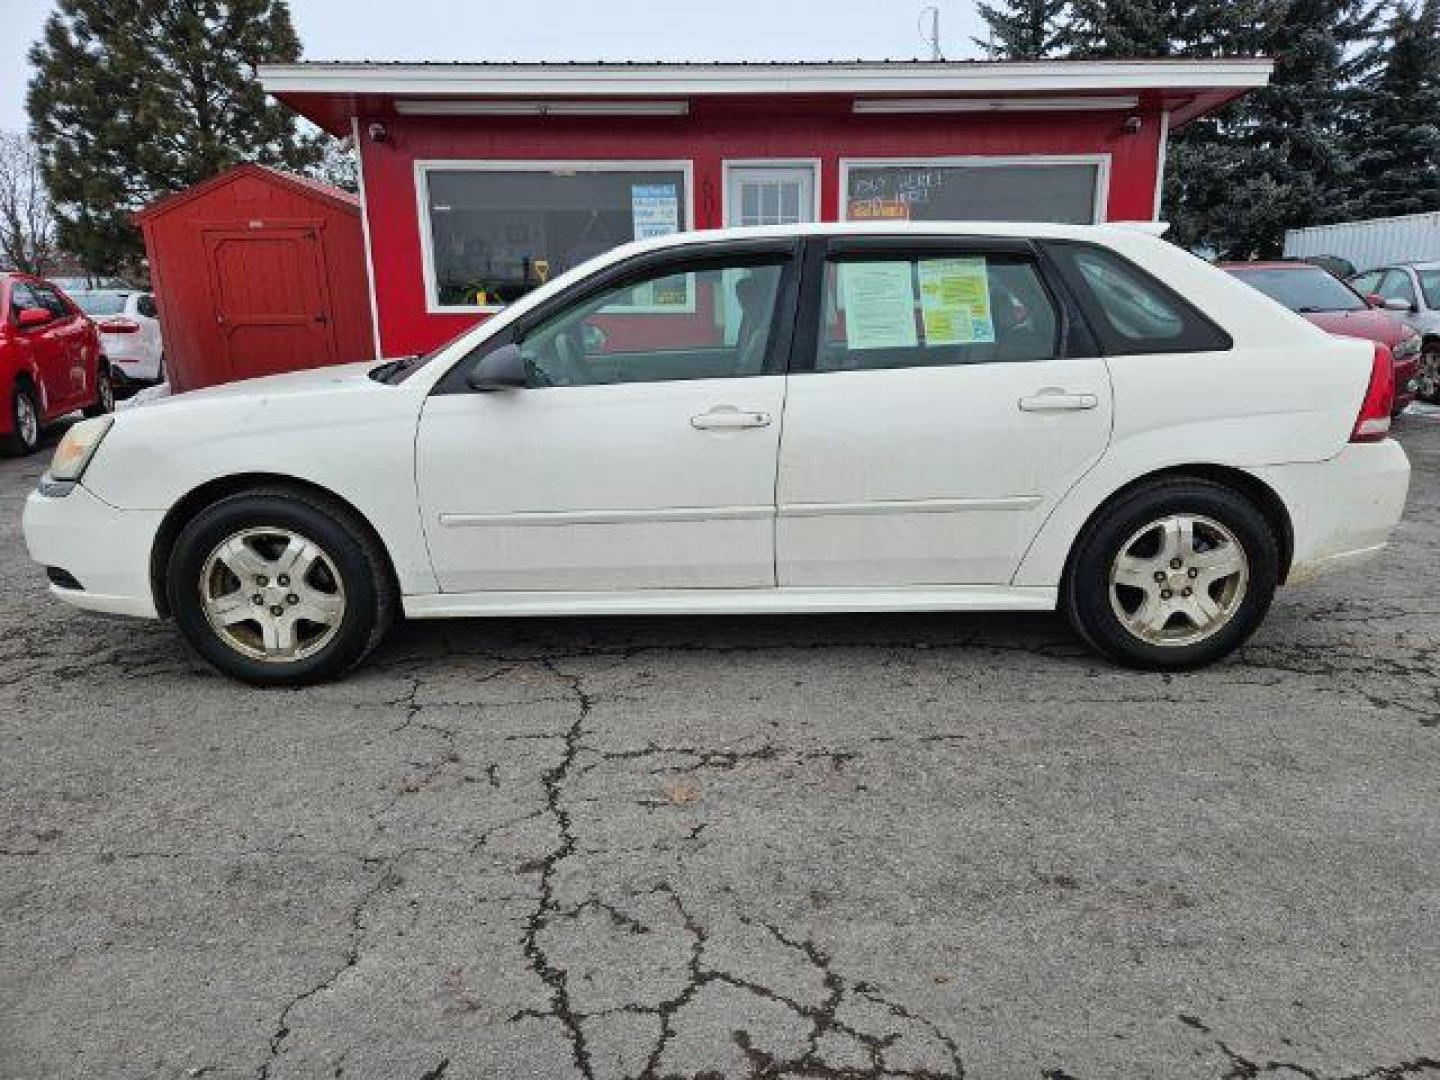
x=27 y=423
x=272 y=594
x=1178 y=580
x=1427 y=378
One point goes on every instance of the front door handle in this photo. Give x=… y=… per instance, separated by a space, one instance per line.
x=1054 y=399
x=729 y=418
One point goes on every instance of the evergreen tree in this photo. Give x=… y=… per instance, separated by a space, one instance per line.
x=1397 y=133
x=1121 y=29
x=135 y=98
x=1023 y=29
x=1280 y=158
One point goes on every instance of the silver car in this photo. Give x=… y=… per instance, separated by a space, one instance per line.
x=1413 y=289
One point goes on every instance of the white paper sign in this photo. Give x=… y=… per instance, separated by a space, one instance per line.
x=879 y=302
x=655 y=209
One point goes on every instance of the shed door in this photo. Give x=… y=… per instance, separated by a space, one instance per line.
x=272 y=308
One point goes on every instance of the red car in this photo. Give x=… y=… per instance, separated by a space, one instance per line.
x=50 y=361
x=1333 y=305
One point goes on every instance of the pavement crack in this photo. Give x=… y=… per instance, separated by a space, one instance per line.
x=555 y=977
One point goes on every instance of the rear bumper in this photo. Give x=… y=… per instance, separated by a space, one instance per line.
x=1342 y=510
x=105 y=549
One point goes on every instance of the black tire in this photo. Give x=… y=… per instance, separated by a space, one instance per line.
x=371 y=598
x=1428 y=379
x=104 y=402
x=1086 y=594
x=159 y=371
x=24 y=438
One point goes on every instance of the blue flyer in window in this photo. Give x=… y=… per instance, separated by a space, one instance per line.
x=655 y=209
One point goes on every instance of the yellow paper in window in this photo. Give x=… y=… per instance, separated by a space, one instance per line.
x=955 y=301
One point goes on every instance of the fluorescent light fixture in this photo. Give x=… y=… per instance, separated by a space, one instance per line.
x=412 y=107
x=1098 y=103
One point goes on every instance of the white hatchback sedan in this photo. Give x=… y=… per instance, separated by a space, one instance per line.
x=129 y=325
x=967 y=417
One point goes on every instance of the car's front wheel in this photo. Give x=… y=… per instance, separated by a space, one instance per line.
x=24 y=437
x=1427 y=379
x=1174 y=575
x=279 y=587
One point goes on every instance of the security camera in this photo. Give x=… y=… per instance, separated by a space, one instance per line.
x=1133 y=125
x=378 y=133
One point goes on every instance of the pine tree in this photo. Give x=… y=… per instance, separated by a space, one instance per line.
x=135 y=98
x=1023 y=29
x=1397 y=133
x=1121 y=29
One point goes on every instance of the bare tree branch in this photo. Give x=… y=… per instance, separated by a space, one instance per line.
x=27 y=226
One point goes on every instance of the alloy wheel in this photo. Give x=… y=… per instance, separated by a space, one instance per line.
x=27 y=422
x=1427 y=378
x=1178 y=580
x=272 y=594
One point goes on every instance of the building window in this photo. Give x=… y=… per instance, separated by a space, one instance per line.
x=494 y=232
x=976 y=189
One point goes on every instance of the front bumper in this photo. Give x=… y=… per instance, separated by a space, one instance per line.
x=105 y=549
x=1342 y=510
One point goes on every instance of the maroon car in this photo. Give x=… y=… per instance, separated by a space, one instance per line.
x=1332 y=305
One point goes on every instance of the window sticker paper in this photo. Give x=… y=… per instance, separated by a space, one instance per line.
x=955 y=301
x=879 y=301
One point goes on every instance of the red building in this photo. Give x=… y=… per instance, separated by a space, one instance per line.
x=481 y=181
x=257 y=271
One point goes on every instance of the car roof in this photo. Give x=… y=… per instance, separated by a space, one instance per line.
x=1271 y=265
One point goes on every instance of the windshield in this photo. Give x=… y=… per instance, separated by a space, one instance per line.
x=1430 y=283
x=1303 y=289
x=100 y=303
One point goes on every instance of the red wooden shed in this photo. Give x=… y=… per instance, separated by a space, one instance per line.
x=258 y=271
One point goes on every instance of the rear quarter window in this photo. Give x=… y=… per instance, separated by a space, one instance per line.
x=1131 y=311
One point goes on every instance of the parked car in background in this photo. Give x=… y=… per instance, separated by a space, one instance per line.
x=1413 y=290
x=129 y=325
x=1332 y=264
x=975 y=417
x=1332 y=305
x=51 y=361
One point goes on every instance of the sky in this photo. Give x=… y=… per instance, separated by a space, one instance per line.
x=571 y=30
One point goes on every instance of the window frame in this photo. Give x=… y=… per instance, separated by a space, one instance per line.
x=425 y=166
x=1073 y=337
x=1111 y=342
x=787 y=250
x=1102 y=176
x=1410 y=285
x=732 y=165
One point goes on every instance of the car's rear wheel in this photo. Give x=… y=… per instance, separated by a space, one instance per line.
x=1427 y=377
x=278 y=587
x=24 y=437
x=104 y=391
x=1174 y=575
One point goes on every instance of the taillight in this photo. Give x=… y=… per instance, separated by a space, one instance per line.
x=119 y=326
x=1373 y=423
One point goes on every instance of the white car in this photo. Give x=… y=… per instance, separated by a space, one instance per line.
x=966 y=417
x=129 y=325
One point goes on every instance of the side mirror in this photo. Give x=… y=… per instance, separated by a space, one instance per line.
x=1397 y=304
x=31 y=317
x=500 y=369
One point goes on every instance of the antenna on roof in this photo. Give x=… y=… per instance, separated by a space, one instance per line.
x=932 y=35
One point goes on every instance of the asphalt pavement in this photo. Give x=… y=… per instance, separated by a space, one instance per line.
x=924 y=846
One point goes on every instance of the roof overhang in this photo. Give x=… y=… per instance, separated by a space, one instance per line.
x=331 y=93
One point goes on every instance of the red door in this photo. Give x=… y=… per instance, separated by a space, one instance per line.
x=272 y=308
x=49 y=352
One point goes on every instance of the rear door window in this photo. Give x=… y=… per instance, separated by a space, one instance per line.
x=934 y=309
x=1131 y=311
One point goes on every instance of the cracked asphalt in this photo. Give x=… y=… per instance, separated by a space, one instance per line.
x=918 y=846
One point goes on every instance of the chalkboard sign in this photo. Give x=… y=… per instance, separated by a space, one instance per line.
x=1061 y=192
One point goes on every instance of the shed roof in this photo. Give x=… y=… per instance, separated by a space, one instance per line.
x=305 y=185
x=331 y=93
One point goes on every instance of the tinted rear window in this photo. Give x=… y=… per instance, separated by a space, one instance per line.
x=101 y=303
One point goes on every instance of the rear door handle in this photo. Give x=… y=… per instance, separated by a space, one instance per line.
x=1053 y=399
x=728 y=418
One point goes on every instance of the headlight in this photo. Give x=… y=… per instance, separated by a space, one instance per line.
x=1408 y=347
x=78 y=446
